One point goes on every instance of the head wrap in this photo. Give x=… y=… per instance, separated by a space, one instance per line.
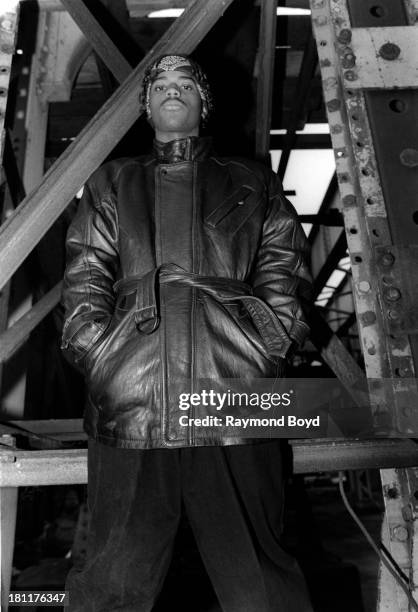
x=183 y=63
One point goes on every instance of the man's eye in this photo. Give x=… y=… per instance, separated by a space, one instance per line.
x=159 y=88
x=188 y=87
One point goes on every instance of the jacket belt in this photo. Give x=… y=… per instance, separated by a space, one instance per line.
x=147 y=316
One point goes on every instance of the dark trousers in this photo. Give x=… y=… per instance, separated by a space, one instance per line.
x=233 y=499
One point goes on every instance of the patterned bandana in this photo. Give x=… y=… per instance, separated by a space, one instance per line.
x=183 y=63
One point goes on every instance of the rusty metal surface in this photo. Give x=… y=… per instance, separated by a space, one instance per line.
x=365 y=215
x=372 y=338
x=399 y=524
x=383 y=58
x=374 y=215
x=392 y=113
x=396 y=153
x=398 y=267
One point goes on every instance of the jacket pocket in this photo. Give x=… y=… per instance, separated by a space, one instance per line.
x=82 y=337
x=99 y=340
x=234 y=211
x=245 y=323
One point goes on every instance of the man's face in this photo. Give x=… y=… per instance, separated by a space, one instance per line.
x=175 y=106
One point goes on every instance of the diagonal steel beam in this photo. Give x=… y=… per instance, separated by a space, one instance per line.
x=42 y=206
x=335 y=355
x=344 y=327
x=98 y=38
x=12 y=338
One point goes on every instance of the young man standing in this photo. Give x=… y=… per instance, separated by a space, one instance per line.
x=181 y=266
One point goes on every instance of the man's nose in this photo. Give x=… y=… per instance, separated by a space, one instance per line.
x=173 y=91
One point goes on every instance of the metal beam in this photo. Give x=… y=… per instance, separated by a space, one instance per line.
x=39 y=210
x=57 y=429
x=136 y=8
x=332 y=218
x=265 y=77
x=302 y=141
x=335 y=355
x=98 y=38
x=140 y=8
x=14 y=192
x=13 y=338
x=52 y=467
x=348 y=323
x=307 y=70
x=8 y=29
x=326 y=455
x=366 y=210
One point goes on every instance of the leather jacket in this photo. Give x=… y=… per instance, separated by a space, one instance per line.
x=181 y=266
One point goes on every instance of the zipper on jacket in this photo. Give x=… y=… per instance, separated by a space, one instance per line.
x=162 y=327
x=195 y=268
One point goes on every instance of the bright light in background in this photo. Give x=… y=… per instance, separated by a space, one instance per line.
x=286 y=11
x=310 y=128
x=335 y=278
x=345 y=263
x=176 y=12
x=166 y=13
x=334 y=281
x=8 y=6
x=309 y=173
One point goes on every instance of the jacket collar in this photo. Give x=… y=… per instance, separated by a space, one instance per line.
x=183 y=149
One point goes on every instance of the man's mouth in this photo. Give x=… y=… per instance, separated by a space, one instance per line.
x=173 y=104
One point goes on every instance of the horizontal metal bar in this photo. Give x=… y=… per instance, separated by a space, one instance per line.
x=328 y=455
x=58 y=429
x=301 y=141
x=332 y=218
x=34 y=468
x=50 y=426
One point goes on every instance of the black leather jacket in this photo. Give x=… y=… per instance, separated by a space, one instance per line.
x=180 y=266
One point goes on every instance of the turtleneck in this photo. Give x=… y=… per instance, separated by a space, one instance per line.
x=182 y=149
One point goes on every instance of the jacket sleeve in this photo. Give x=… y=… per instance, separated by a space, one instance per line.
x=92 y=264
x=281 y=276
